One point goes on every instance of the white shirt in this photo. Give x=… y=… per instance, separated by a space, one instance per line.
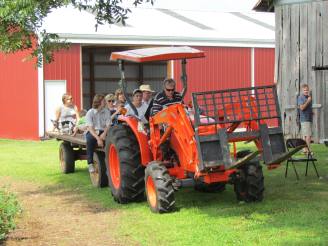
x=141 y=111
x=98 y=119
x=67 y=113
x=147 y=103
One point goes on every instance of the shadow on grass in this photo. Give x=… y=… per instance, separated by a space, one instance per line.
x=283 y=199
x=76 y=187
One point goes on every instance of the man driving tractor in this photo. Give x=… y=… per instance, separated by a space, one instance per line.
x=167 y=97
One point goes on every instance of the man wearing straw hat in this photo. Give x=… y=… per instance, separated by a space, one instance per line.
x=147 y=94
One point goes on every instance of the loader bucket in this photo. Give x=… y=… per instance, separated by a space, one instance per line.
x=246 y=108
x=215 y=151
x=285 y=156
x=244 y=160
x=274 y=149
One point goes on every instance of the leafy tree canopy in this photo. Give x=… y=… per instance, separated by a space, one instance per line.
x=21 y=23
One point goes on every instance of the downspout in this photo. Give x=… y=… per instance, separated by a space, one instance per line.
x=252 y=67
x=41 y=103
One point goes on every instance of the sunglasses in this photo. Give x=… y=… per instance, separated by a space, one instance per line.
x=169 y=90
x=111 y=101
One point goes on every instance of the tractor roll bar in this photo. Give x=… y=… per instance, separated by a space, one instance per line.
x=184 y=77
x=152 y=55
x=123 y=85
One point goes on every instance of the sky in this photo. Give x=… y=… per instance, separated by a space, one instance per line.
x=203 y=5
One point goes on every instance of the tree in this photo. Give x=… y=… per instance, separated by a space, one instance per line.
x=21 y=23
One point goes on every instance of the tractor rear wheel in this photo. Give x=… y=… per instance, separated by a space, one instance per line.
x=209 y=188
x=159 y=190
x=99 y=176
x=123 y=163
x=66 y=158
x=249 y=182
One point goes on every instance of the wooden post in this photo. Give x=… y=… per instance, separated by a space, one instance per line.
x=324 y=109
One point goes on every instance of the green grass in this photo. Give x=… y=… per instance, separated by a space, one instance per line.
x=292 y=213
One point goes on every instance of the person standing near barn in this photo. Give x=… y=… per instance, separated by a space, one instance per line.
x=304 y=103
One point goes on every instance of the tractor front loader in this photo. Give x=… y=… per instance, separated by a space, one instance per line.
x=194 y=147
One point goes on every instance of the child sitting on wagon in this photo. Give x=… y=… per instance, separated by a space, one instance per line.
x=81 y=124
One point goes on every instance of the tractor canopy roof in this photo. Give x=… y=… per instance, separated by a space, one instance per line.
x=157 y=54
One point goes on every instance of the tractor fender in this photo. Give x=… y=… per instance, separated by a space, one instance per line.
x=142 y=139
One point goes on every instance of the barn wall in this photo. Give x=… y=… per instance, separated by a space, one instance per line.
x=100 y=75
x=225 y=68
x=67 y=66
x=222 y=68
x=264 y=66
x=18 y=97
x=302 y=42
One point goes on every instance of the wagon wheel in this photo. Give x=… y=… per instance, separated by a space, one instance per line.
x=66 y=158
x=99 y=176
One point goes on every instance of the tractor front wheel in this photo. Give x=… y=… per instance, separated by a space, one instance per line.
x=249 y=182
x=159 y=190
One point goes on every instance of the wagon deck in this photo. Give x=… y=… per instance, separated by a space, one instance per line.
x=78 y=139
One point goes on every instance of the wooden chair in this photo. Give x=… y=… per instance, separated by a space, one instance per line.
x=308 y=158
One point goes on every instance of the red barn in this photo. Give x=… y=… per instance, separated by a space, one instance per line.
x=239 y=53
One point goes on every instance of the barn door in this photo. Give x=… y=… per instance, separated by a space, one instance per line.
x=53 y=92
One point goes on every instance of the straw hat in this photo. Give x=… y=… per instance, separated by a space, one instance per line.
x=145 y=88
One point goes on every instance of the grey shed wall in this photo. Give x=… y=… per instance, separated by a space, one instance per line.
x=302 y=42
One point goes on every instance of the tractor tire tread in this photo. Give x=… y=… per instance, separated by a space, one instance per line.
x=163 y=184
x=252 y=187
x=132 y=186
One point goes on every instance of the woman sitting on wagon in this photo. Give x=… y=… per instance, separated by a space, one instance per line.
x=66 y=114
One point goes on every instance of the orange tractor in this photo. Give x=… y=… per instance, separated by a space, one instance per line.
x=196 y=147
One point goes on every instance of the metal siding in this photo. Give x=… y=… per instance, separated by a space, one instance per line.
x=67 y=66
x=222 y=68
x=264 y=66
x=18 y=97
x=264 y=71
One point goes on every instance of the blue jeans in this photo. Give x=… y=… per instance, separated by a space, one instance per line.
x=91 y=145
